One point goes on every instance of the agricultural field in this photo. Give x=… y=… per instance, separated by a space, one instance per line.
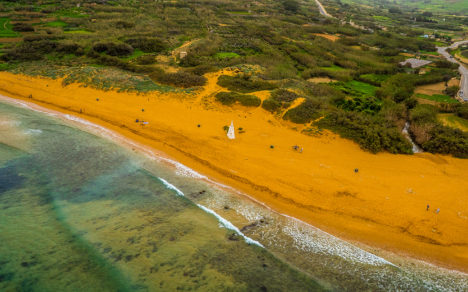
x=454 y=121
x=6 y=28
x=437 y=98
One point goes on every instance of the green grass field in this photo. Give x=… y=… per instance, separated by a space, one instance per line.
x=374 y=78
x=6 y=30
x=437 y=97
x=224 y=55
x=136 y=53
x=333 y=68
x=57 y=23
x=78 y=31
x=356 y=88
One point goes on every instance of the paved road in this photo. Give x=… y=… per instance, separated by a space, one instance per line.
x=322 y=10
x=463 y=93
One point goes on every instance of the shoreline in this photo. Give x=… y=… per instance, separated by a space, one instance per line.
x=335 y=223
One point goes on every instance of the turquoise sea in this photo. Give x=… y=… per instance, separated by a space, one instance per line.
x=82 y=209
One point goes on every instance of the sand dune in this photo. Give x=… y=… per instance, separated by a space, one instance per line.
x=383 y=204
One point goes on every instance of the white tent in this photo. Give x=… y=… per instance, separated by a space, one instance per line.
x=230 y=133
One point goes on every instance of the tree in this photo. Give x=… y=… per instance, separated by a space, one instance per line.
x=291 y=5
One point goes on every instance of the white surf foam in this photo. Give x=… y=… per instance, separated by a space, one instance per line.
x=225 y=223
x=33 y=131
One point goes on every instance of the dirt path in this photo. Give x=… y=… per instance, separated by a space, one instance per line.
x=322 y=10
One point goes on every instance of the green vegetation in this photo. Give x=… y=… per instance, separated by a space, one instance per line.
x=6 y=30
x=244 y=83
x=374 y=79
x=371 y=133
x=224 y=55
x=270 y=46
x=355 y=88
x=305 y=112
x=57 y=23
x=280 y=99
x=433 y=136
x=229 y=98
x=437 y=97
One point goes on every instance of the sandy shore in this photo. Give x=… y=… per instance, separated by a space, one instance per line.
x=383 y=205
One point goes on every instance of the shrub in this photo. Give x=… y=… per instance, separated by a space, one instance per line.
x=146 y=60
x=147 y=45
x=229 y=98
x=23 y=27
x=284 y=95
x=452 y=90
x=462 y=111
x=305 y=112
x=179 y=79
x=271 y=105
x=370 y=132
x=113 y=49
x=243 y=83
x=280 y=98
x=423 y=114
x=446 y=140
x=398 y=87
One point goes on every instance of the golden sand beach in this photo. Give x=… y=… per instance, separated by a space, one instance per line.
x=383 y=205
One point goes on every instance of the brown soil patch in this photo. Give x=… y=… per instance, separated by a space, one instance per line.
x=454 y=82
x=321 y=80
x=330 y=37
x=431 y=89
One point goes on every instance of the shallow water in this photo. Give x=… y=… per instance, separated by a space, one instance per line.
x=79 y=212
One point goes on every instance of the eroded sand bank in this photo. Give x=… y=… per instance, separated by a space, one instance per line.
x=382 y=205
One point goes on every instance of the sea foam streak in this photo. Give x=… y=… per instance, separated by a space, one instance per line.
x=221 y=220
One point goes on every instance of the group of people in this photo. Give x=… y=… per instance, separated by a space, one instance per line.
x=436 y=211
x=297 y=148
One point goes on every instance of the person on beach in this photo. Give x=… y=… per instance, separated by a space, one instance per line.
x=438 y=210
x=427 y=207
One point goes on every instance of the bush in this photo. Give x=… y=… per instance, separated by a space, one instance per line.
x=113 y=49
x=423 y=114
x=229 y=98
x=284 y=95
x=146 y=60
x=371 y=133
x=179 y=79
x=26 y=51
x=147 y=45
x=305 y=112
x=452 y=90
x=23 y=27
x=243 y=83
x=280 y=98
x=462 y=111
x=446 y=140
x=271 y=105
x=398 y=87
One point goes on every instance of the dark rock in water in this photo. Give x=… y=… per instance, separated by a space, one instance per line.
x=234 y=237
x=9 y=179
x=247 y=227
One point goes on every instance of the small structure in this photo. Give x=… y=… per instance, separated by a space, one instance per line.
x=231 y=135
x=182 y=54
x=415 y=63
